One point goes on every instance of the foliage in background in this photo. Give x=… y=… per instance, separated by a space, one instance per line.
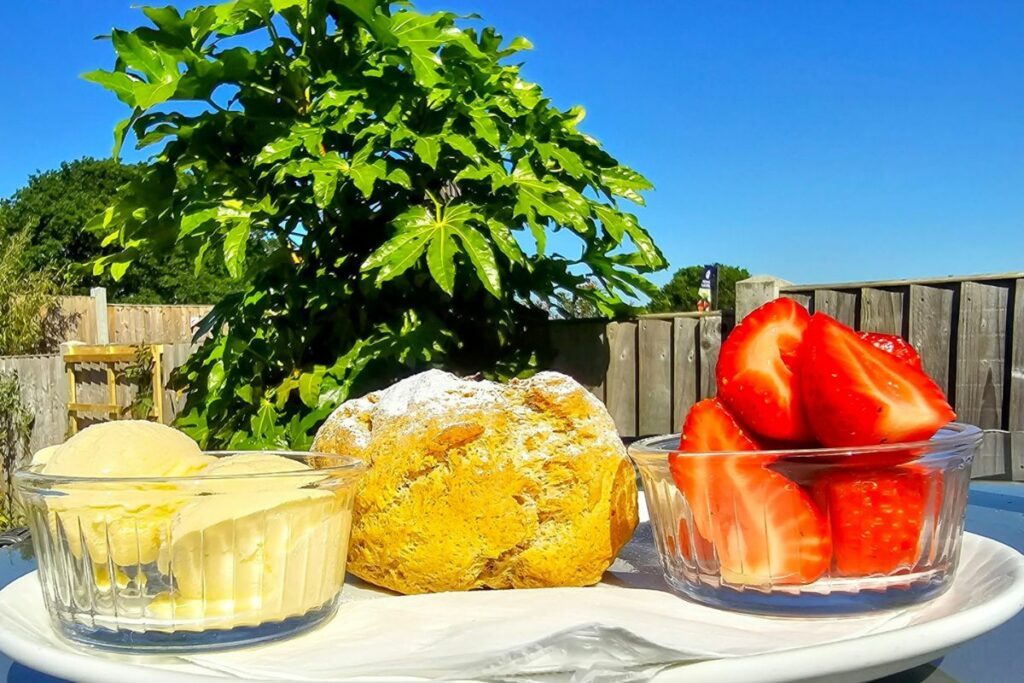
x=15 y=432
x=680 y=293
x=30 y=316
x=52 y=211
x=405 y=177
x=572 y=306
x=139 y=374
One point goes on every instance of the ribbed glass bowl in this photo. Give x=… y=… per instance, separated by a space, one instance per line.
x=192 y=563
x=707 y=556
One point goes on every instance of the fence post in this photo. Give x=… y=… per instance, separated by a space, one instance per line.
x=755 y=291
x=99 y=301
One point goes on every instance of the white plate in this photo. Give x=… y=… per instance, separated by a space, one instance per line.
x=500 y=634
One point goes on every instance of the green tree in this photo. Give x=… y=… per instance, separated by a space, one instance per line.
x=52 y=211
x=680 y=293
x=406 y=176
x=30 y=318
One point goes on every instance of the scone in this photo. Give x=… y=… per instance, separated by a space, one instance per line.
x=475 y=484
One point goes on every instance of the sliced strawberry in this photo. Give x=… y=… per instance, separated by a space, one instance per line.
x=764 y=528
x=894 y=345
x=767 y=530
x=709 y=428
x=877 y=516
x=858 y=395
x=694 y=547
x=756 y=372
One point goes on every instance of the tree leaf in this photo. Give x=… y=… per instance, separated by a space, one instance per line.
x=625 y=182
x=540 y=234
x=245 y=393
x=441 y=261
x=157 y=64
x=414 y=219
x=364 y=176
x=417 y=33
x=462 y=144
x=120 y=131
x=399 y=176
x=309 y=387
x=264 y=424
x=480 y=254
x=333 y=99
x=613 y=221
x=198 y=261
x=427 y=149
x=473 y=173
x=518 y=44
x=324 y=185
x=118 y=269
x=539 y=196
x=215 y=377
x=396 y=255
x=369 y=13
x=277 y=149
x=235 y=243
x=645 y=245
x=121 y=84
x=485 y=127
x=281 y=5
x=399 y=253
x=567 y=159
x=528 y=94
x=191 y=222
x=506 y=242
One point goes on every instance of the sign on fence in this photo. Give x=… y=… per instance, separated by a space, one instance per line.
x=707 y=292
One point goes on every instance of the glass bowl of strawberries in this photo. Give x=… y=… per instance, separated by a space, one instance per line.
x=826 y=477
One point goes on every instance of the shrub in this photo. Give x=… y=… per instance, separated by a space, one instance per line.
x=30 y=317
x=402 y=179
x=15 y=432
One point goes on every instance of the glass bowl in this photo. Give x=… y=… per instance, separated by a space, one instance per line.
x=809 y=531
x=192 y=563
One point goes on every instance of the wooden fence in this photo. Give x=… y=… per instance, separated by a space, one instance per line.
x=648 y=371
x=90 y=319
x=44 y=390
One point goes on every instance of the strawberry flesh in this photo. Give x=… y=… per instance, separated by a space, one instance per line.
x=757 y=376
x=764 y=528
x=767 y=530
x=893 y=345
x=709 y=428
x=858 y=395
x=877 y=517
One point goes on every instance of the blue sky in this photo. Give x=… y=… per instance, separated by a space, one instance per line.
x=817 y=141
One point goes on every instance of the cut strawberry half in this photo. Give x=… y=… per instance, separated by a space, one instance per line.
x=709 y=428
x=767 y=530
x=858 y=395
x=877 y=517
x=757 y=376
x=893 y=345
x=694 y=548
x=764 y=528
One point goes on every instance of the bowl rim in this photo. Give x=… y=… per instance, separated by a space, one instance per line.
x=32 y=475
x=950 y=436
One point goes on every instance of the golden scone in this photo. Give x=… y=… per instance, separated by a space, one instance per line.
x=475 y=484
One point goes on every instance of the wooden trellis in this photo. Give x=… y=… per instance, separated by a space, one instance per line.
x=109 y=356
